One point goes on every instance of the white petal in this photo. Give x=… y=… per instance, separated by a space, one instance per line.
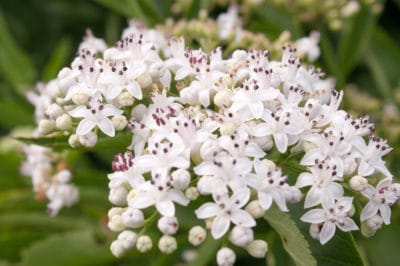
x=345 y=202
x=335 y=189
x=182 y=73
x=85 y=126
x=256 y=110
x=110 y=110
x=313 y=197
x=385 y=213
x=365 y=169
x=207 y=210
x=180 y=162
x=177 y=196
x=241 y=197
x=261 y=130
x=107 y=127
x=253 y=150
x=243 y=218
x=327 y=232
x=368 y=211
x=80 y=111
x=265 y=200
x=349 y=225
x=135 y=90
x=281 y=142
x=166 y=208
x=314 y=216
x=220 y=226
x=141 y=201
x=280 y=201
x=304 y=179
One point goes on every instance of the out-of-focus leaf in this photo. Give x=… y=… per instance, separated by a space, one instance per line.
x=355 y=38
x=15 y=65
x=280 y=18
x=151 y=9
x=72 y=248
x=16 y=115
x=58 y=59
x=330 y=58
x=292 y=238
x=378 y=73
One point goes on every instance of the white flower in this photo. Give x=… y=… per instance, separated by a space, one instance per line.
x=380 y=199
x=95 y=114
x=333 y=214
x=309 y=46
x=226 y=209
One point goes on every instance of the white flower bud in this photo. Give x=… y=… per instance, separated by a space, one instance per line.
x=189 y=255
x=127 y=239
x=241 y=236
x=223 y=98
x=54 y=110
x=255 y=209
x=46 y=127
x=350 y=166
x=225 y=257
x=315 y=230
x=227 y=128
x=73 y=141
x=358 y=183
x=307 y=146
x=180 y=179
x=125 y=99
x=117 y=195
x=375 y=223
x=293 y=195
x=144 y=80
x=156 y=70
x=119 y=122
x=88 y=140
x=168 y=225
x=132 y=217
x=115 y=223
x=144 y=243
x=257 y=248
x=167 y=244
x=115 y=211
x=64 y=176
x=139 y=111
x=131 y=195
x=64 y=122
x=192 y=193
x=197 y=235
x=117 y=248
x=80 y=98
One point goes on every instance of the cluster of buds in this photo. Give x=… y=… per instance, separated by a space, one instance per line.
x=205 y=127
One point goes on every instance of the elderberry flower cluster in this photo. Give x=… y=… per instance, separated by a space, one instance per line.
x=208 y=129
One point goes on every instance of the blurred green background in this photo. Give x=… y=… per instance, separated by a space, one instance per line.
x=39 y=37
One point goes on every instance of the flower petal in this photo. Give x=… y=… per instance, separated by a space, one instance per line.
x=107 y=127
x=85 y=126
x=368 y=211
x=385 y=213
x=349 y=225
x=281 y=142
x=243 y=218
x=314 y=216
x=207 y=210
x=327 y=232
x=220 y=226
x=166 y=208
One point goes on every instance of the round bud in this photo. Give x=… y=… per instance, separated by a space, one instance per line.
x=46 y=127
x=168 y=225
x=115 y=223
x=180 y=179
x=197 y=235
x=119 y=122
x=144 y=80
x=358 y=183
x=88 y=140
x=117 y=195
x=132 y=217
x=241 y=236
x=227 y=128
x=315 y=230
x=223 y=99
x=192 y=193
x=64 y=176
x=375 y=222
x=225 y=257
x=54 y=110
x=125 y=99
x=255 y=209
x=64 y=122
x=167 y=244
x=144 y=243
x=73 y=141
x=117 y=248
x=127 y=239
x=257 y=248
x=80 y=98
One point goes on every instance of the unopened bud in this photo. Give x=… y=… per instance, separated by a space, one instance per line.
x=358 y=183
x=255 y=209
x=168 y=225
x=197 y=235
x=241 y=236
x=132 y=217
x=192 y=193
x=46 y=127
x=225 y=257
x=257 y=248
x=119 y=122
x=167 y=244
x=73 y=141
x=64 y=122
x=144 y=243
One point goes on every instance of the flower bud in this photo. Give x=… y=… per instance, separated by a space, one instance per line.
x=167 y=244
x=358 y=183
x=144 y=243
x=293 y=195
x=117 y=195
x=119 y=122
x=257 y=248
x=117 y=248
x=315 y=230
x=131 y=195
x=54 y=110
x=375 y=222
x=255 y=209
x=241 y=236
x=127 y=239
x=144 y=80
x=64 y=176
x=192 y=193
x=180 y=179
x=269 y=164
x=64 y=122
x=227 y=128
x=115 y=223
x=223 y=99
x=225 y=257
x=115 y=211
x=132 y=217
x=73 y=141
x=46 y=127
x=88 y=140
x=168 y=225
x=197 y=235
x=125 y=99
x=80 y=98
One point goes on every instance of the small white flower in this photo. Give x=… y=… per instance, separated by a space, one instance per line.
x=226 y=210
x=333 y=214
x=380 y=198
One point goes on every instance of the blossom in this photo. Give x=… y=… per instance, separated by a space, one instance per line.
x=380 y=198
x=226 y=209
x=332 y=214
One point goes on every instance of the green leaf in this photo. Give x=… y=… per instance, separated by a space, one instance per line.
x=292 y=238
x=355 y=38
x=58 y=59
x=207 y=252
x=15 y=65
x=17 y=114
x=72 y=248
